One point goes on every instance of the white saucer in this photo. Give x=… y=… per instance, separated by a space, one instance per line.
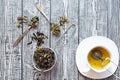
x=81 y=60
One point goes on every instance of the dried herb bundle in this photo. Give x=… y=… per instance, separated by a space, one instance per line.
x=39 y=38
x=23 y=19
x=55 y=27
x=44 y=58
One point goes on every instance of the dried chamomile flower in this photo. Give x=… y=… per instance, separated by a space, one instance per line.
x=63 y=20
x=55 y=29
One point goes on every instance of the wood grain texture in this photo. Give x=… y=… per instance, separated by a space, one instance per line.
x=72 y=39
x=114 y=27
x=56 y=11
x=2 y=41
x=91 y=17
x=87 y=21
x=12 y=57
x=102 y=19
x=30 y=11
x=45 y=28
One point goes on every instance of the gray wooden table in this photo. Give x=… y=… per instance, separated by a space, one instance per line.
x=102 y=16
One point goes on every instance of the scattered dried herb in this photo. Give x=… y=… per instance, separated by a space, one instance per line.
x=55 y=27
x=44 y=58
x=39 y=38
x=21 y=20
x=34 y=22
x=63 y=20
x=29 y=43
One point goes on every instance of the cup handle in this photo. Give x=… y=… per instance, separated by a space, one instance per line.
x=87 y=69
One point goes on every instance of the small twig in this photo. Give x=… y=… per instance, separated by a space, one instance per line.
x=21 y=36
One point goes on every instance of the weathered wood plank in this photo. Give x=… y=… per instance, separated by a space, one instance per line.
x=30 y=10
x=2 y=41
x=87 y=22
x=12 y=57
x=72 y=39
x=45 y=28
x=15 y=64
x=101 y=18
x=114 y=27
x=57 y=9
x=105 y=12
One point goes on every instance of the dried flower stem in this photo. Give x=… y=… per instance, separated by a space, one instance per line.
x=32 y=24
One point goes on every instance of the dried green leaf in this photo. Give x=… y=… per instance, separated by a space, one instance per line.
x=29 y=43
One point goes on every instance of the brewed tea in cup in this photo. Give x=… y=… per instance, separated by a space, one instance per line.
x=98 y=59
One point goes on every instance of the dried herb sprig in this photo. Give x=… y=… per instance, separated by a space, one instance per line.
x=55 y=27
x=34 y=21
x=63 y=20
x=38 y=37
x=24 y=19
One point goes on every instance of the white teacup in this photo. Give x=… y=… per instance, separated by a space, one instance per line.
x=103 y=68
x=100 y=41
x=87 y=45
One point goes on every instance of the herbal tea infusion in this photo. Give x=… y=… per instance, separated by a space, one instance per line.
x=96 y=62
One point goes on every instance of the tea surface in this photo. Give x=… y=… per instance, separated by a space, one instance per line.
x=98 y=63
